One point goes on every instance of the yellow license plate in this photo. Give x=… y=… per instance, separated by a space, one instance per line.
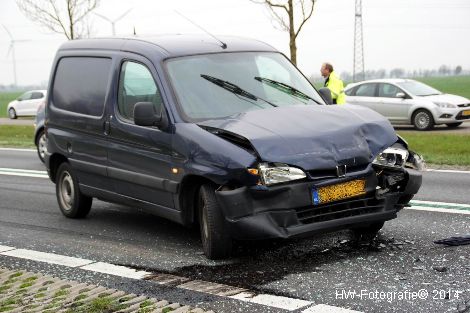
x=466 y=113
x=340 y=191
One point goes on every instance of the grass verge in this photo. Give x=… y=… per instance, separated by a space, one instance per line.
x=16 y=136
x=448 y=149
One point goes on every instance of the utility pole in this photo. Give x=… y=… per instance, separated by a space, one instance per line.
x=113 y=22
x=358 y=67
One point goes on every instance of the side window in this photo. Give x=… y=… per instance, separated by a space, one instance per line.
x=366 y=90
x=80 y=84
x=136 y=84
x=25 y=96
x=388 y=91
x=37 y=95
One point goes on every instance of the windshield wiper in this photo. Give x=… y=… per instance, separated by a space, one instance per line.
x=234 y=89
x=285 y=88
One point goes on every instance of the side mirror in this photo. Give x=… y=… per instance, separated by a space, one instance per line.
x=400 y=95
x=325 y=93
x=145 y=115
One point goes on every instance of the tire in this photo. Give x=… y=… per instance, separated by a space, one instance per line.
x=72 y=202
x=423 y=120
x=367 y=233
x=216 y=241
x=454 y=125
x=41 y=146
x=12 y=114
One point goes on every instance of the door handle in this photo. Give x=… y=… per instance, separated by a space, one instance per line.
x=107 y=128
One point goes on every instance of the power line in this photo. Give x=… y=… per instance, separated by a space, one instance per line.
x=358 y=66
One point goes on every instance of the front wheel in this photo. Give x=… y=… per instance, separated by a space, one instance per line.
x=454 y=125
x=423 y=120
x=216 y=241
x=12 y=114
x=72 y=202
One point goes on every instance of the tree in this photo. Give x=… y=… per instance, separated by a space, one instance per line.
x=458 y=70
x=66 y=17
x=280 y=8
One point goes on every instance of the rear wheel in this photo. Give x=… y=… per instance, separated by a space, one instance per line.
x=423 y=120
x=454 y=125
x=216 y=241
x=71 y=201
x=12 y=114
x=41 y=145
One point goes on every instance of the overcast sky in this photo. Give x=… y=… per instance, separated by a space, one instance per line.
x=411 y=34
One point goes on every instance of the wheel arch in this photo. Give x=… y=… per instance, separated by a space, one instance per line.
x=55 y=160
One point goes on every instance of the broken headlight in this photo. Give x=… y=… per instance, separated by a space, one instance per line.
x=392 y=157
x=278 y=173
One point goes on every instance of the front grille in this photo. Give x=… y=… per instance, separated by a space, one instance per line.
x=331 y=172
x=338 y=210
x=460 y=116
x=464 y=105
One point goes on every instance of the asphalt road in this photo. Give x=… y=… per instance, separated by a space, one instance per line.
x=323 y=269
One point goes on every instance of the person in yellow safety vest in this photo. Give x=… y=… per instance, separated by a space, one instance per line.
x=334 y=83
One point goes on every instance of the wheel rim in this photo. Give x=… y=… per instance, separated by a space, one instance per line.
x=422 y=120
x=42 y=148
x=12 y=113
x=205 y=228
x=66 y=191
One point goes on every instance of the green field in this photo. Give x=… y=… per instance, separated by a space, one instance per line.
x=449 y=149
x=457 y=85
x=5 y=98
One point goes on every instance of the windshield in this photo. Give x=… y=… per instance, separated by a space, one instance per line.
x=220 y=85
x=418 y=89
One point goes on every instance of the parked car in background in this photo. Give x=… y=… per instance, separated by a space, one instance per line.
x=27 y=104
x=406 y=101
x=39 y=132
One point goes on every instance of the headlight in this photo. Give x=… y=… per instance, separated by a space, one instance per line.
x=280 y=173
x=445 y=105
x=391 y=157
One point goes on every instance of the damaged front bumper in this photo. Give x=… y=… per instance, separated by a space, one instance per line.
x=287 y=211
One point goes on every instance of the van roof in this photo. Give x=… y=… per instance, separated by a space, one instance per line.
x=170 y=45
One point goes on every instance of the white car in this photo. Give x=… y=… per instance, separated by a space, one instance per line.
x=406 y=101
x=27 y=104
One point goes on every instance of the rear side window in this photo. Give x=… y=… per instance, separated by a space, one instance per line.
x=366 y=90
x=136 y=84
x=37 y=95
x=80 y=84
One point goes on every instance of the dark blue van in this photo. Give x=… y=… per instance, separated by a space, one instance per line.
x=229 y=135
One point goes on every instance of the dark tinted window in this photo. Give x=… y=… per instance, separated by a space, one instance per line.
x=388 y=91
x=136 y=84
x=37 y=95
x=80 y=84
x=366 y=90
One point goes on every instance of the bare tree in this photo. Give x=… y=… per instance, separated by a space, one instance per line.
x=66 y=17
x=280 y=8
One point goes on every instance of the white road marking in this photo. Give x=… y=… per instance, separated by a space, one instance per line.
x=6 y=248
x=23 y=174
x=51 y=258
x=418 y=202
x=442 y=210
x=280 y=302
x=116 y=270
x=323 y=308
x=448 y=171
x=17 y=149
x=18 y=170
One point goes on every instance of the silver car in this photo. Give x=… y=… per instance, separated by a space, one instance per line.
x=406 y=101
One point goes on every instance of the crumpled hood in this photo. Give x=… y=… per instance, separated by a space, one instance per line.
x=447 y=98
x=314 y=136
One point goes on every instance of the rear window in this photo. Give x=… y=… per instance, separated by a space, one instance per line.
x=80 y=84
